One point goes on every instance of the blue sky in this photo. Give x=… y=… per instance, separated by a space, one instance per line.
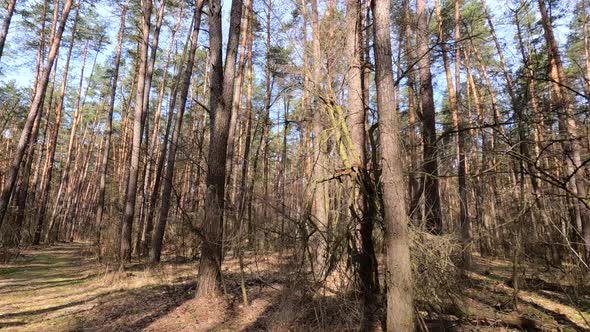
x=19 y=67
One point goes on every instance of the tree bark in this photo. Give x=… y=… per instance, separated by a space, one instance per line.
x=320 y=191
x=138 y=124
x=6 y=24
x=433 y=219
x=220 y=105
x=400 y=307
x=356 y=124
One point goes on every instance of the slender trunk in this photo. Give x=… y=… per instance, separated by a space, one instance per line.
x=433 y=218
x=414 y=190
x=158 y=236
x=320 y=190
x=36 y=106
x=148 y=156
x=138 y=124
x=6 y=24
x=464 y=221
x=356 y=124
x=65 y=178
x=248 y=135
x=12 y=234
x=52 y=143
x=568 y=128
x=246 y=156
x=161 y=160
x=104 y=163
x=155 y=154
x=237 y=98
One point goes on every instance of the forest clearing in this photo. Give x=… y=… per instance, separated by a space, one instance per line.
x=294 y=165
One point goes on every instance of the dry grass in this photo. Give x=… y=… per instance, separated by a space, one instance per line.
x=62 y=288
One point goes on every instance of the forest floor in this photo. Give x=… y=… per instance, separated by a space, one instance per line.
x=63 y=288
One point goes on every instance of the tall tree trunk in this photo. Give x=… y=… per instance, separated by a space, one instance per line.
x=220 y=105
x=414 y=190
x=156 y=152
x=568 y=129
x=52 y=143
x=320 y=188
x=6 y=24
x=237 y=98
x=12 y=235
x=400 y=307
x=158 y=235
x=433 y=219
x=148 y=156
x=161 y=160
x=356 y=124
x=36 y=106
x=65 y=178
x=138 y=124
x=248 y=136
x=104 y=163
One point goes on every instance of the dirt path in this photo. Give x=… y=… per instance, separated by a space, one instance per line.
x=60 y=288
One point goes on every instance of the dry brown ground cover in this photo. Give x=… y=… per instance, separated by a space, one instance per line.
x=63 y=288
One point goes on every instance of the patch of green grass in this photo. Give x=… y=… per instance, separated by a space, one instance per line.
x=8 y=271
x=67 y=323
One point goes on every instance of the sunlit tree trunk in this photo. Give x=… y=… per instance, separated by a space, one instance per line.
x=65 y=178
x=568 y=129
x=237 y=99
x=108 y=130
x=145 y=174
x=400 y=306
x=138 y=124
x=52 y=143
x=248 y=136
x=6 y=24
x=157 y=152
x=220 y=105
x=36 y=106
x=320 y=189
